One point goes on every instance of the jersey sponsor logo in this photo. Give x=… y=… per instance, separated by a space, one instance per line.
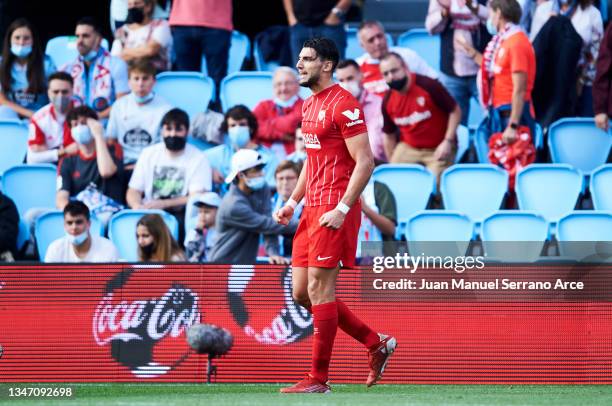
x=311 y=141
x=321 y=116
x=414 y=118
x=352 y=123
x=351 y=115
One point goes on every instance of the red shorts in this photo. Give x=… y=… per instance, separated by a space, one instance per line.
x=324 y=247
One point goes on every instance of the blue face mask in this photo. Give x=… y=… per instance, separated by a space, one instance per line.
x=21 y=51
x=490 y=27
x=77 y=239
x=143 y=99
x=91 y=55
x=287 y=103
x=256 y=183
x=82 y=134
x=239 y=136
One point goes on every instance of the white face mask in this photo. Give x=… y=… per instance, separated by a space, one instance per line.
x=353 y=87
x=77 y=239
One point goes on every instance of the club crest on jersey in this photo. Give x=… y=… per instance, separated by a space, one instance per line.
x=311 y=141
x=420 y=101
x=353 y=116
x=321 y=116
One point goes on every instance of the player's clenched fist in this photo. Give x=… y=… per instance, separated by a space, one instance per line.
x=284 y=215
x=332 y=219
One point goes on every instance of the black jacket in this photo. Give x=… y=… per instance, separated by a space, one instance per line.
x=557 y=50
x=9 y=224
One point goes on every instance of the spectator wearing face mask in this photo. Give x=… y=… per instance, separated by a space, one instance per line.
x=278 y=118
x=49 y=136
x=79 y=244
x=168 y=173
x=142 y=36
x=135 y=119
x=240 y=125
x=350 y=78
x=155 y=242
x=99 y=77
x=94 y=174
x=24 y=72
x=245 y=214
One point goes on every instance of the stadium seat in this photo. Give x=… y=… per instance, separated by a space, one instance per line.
x=247 y=88
x=353 y=48
x=513 y=235
x=14 y=141
x=63 y=49
x=439 y=233
x=190 y=91
x=412 y=186
x=601 y=187
x=50 y=226
x=476 y=190
x=463 y=142
x=122 y=230
x=200 y=144
x=551 y=190
x=578 y=142
x=424 y=44
x=586 y=234
x=481 y=142
x=240 y=50
x=477 y=114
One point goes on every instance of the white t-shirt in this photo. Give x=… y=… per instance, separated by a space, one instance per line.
x=101 y=250
x=136 y=126
x=414 y=61
x=158 y=32
x=162 y=176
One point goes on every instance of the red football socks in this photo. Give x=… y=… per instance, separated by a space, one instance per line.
x=325 y=320
x=353 y=326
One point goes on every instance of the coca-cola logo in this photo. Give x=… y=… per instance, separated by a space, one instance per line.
x=145 y=334
x=288 y=322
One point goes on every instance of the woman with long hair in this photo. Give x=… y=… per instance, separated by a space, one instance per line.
x=155 y=243
x=24 y=70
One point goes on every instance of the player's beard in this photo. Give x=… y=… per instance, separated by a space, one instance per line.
x=312 y=80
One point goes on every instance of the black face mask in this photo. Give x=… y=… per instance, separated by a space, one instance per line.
x=135 y=15
x=175 y=143
x=398 y=84
x=147 y=250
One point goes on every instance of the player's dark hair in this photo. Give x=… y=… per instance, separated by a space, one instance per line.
x=345 y=63
x=325 y=48
x=61 y=76
x=91 y=22
x=76 y=208
x=177 y=117
x=240 y=112
x=81 y=111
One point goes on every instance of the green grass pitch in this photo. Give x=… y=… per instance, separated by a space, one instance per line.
x=350 y=395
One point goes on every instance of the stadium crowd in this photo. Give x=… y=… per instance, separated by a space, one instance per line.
x=119 y=145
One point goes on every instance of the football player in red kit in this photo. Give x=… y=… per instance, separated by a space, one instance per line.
x=338 y=166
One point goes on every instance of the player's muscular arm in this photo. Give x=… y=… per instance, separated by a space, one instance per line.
x=359 y=148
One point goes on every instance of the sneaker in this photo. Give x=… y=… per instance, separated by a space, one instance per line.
x=308 y=385
x=378 y=358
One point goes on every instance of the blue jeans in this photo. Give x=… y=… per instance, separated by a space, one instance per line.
x=301 y=32
x=462 y=89
x=191 y=42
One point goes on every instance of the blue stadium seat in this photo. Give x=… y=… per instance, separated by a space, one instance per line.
x=551 y=190
x=463 y=142
x=122 y=230
x=601 y=187
x=353 y=48
x=248 y=88
x=63 y=49
x=14 y=142
x=578 y=142
x=449 y=231
x=477 y=114
x=412 y=186
x=514 y=227
x=424 y=44
x=476 y=190
x=50 y=226
x=200 y=144
x=586 y=234
x=190 y=91
x=240 y=50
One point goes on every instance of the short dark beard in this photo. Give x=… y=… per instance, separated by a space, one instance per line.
x=313 y=80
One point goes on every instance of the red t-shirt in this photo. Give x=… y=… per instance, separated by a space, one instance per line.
x=421 y=115
x=328 y=118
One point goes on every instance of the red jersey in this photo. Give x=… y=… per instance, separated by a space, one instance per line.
x=328 y=118
x=421 y=115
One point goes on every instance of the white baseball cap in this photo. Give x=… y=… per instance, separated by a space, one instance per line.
x=242 y=160
x=207 y=199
